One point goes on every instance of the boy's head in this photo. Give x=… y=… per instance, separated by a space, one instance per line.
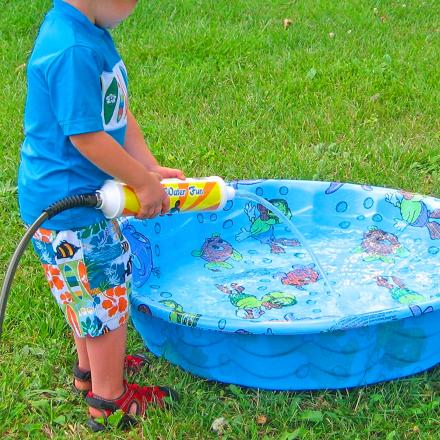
x=105 y=13
x=109 y=13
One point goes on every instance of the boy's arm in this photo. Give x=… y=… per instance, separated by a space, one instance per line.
x=103 y=151
x=136 y=146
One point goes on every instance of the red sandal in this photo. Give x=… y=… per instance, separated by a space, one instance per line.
x=133 y=364
x=139 y=396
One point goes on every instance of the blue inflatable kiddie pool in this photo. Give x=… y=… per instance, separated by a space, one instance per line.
x=351 y=297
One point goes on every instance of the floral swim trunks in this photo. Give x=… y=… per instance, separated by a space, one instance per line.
x=89 y=274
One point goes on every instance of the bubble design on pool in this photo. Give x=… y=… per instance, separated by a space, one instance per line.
x=237 y=296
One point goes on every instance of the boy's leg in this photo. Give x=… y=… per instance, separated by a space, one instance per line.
x=106 y=355
x=83 y=363
x=83 y=357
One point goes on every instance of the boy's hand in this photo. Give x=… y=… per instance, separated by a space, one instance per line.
x=152 y=197
x=168 y=173
x=114 y=160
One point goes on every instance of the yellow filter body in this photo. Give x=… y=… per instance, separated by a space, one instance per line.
x=131 y=203
x=194 y=194
x=207 y=194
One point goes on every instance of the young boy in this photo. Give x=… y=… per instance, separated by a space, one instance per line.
x=79 y=131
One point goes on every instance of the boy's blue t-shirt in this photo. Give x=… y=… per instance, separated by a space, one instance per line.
x=77 y=83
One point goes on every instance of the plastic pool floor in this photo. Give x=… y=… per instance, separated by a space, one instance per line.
x=236 y=297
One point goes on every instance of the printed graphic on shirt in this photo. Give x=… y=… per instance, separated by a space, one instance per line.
x=114 y=97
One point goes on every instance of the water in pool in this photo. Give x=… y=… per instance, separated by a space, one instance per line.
x=267 y=258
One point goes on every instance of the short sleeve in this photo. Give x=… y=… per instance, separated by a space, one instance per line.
x=75 y=90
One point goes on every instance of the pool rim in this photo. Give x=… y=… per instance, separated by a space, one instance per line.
x=304 y=325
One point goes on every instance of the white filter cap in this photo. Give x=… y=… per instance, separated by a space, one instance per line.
x=230 y=192
x=112 y=199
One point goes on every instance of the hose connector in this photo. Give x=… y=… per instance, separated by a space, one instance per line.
x=90 y=200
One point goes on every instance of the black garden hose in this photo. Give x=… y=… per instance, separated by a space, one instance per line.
x=81 y=200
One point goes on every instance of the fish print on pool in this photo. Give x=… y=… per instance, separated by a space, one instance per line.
x=262 y=226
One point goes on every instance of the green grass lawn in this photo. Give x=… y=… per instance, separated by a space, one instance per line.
x=349 y=91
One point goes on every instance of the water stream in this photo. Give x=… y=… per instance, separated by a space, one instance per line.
x=293 y=229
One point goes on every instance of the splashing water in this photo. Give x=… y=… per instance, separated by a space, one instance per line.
x=293 y=229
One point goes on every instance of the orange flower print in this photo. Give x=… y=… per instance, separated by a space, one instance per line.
x=116 y=300
x=44 y=235
x=123 y=319
x=66 y=298
x=53 y=276
x=82 y=272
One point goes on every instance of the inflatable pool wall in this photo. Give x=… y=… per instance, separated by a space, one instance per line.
x=234 y=296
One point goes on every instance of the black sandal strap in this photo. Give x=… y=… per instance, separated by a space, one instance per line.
x=81 y=375
x=97 y=403
x=103 y=404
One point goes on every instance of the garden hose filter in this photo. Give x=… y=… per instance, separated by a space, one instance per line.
x=207 y=194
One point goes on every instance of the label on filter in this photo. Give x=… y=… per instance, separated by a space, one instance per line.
x=181 y=192
x=194 y=196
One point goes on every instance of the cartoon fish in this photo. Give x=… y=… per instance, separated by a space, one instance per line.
x=262 y=226
x=415 y=213
x=277 y=300
x=379 y=245
x=179 y=316
x=249 y=306
x=216 y=251
x=141 y=253
x=400 y=292
x=66 y=249
x=300 y=276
